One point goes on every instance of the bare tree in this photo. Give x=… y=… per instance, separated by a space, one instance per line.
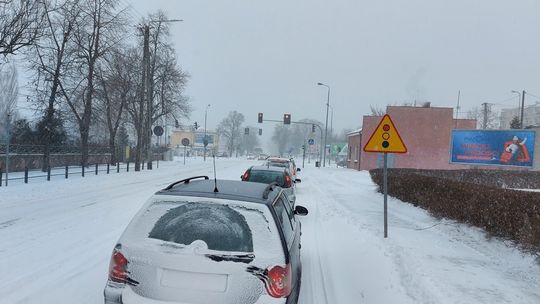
x=52 y=56
x=163 y=81
x=20 y=24
x=485 y=117
x=377 y=111
x=116 y=85
x=96 y=33
x=229 y=129
x=9 y=91
x=249 y=142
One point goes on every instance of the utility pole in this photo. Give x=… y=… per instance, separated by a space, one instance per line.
x=522 y=107
x=484 y=123
x=148 y=129
x=8 y=140
x=457 y=109
x=326 y=124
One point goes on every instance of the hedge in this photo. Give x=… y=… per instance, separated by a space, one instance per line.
x=501 y=212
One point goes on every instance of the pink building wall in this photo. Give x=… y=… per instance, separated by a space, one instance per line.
x=426 y=133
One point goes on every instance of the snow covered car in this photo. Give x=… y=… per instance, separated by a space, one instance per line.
x=283 y=162
x=270 y=174
x=200 y=241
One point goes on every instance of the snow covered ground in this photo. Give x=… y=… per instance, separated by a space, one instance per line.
x=56 y=238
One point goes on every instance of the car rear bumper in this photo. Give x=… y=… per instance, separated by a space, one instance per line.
x=119 y=294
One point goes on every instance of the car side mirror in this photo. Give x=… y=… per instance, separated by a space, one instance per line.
x=301 y=210
x=298 y=180
x=298 y=169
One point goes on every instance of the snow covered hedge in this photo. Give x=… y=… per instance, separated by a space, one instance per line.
x=501 y=212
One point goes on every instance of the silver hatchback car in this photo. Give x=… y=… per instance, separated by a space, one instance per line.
x=200 y=242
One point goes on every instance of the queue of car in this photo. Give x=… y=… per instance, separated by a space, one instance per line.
x=203 y=240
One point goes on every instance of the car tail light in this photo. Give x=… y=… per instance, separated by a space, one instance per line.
x=288 y=181
x=118 y=267
x=279 y=282
x=245 y=177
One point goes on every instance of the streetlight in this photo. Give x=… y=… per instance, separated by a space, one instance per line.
x=326 y=124
x=331 y=132
x=205 y=140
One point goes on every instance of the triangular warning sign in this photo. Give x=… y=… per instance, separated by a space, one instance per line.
x=385 y=138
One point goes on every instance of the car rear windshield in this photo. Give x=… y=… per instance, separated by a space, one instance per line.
x=266 y=177
x=219 y=226
x=278 y=164
x=210 y=225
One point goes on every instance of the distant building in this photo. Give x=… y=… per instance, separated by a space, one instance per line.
x=196 y=141
x=425 y=130
x=531 y=116
x=354 y=139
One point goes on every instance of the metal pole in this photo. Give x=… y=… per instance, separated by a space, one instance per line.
x=8 y=140
x=205 y=140
x=159 y=149
x=148 y=129
x=185 y=155
x=326 y=125
x=522 y=107
x=331 y=134
x=385 y=195
x=484 y=123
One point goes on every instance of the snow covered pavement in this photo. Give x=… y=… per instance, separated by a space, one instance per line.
x=56 y=238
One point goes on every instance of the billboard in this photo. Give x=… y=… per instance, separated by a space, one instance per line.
x=493 y=147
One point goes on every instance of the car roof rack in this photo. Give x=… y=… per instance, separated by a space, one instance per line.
x=268 y=189
x=186 y=181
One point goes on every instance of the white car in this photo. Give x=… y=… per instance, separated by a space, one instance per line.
x=196 y=241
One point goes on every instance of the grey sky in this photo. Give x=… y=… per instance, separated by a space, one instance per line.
x=267 y=56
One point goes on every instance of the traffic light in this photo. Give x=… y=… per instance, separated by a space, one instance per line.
x=246 y=131
x=260 y=131
x=196 y=126
x=287 y=119
x=176 y=124
x=312 y=128
x=260 y=119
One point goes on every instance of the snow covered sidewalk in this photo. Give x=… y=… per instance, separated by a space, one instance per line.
x=424 y=260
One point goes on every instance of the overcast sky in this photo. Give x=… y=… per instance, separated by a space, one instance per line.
x=267 y=56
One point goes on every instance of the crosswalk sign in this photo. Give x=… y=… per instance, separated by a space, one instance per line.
x=385 y=138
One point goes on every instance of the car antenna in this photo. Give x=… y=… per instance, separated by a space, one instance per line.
x=215 y=178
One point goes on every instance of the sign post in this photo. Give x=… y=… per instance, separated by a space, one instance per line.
x=158 y=131
x=385 y=139
x=185 y=143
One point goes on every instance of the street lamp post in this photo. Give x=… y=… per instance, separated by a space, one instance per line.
x=205 y=140
x=331 y=133
x=326 y=124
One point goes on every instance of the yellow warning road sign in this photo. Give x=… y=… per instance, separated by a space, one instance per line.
x=385 y=138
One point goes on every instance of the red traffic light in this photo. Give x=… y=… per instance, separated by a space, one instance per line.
x=287 y=119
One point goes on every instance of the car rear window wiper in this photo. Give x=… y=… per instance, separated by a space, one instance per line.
x=238 y=258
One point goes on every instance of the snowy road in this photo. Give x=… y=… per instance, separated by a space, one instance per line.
x=56 y=239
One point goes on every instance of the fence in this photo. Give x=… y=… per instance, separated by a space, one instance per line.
x=65 y=172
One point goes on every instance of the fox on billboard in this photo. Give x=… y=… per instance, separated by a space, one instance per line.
x=493 y=147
